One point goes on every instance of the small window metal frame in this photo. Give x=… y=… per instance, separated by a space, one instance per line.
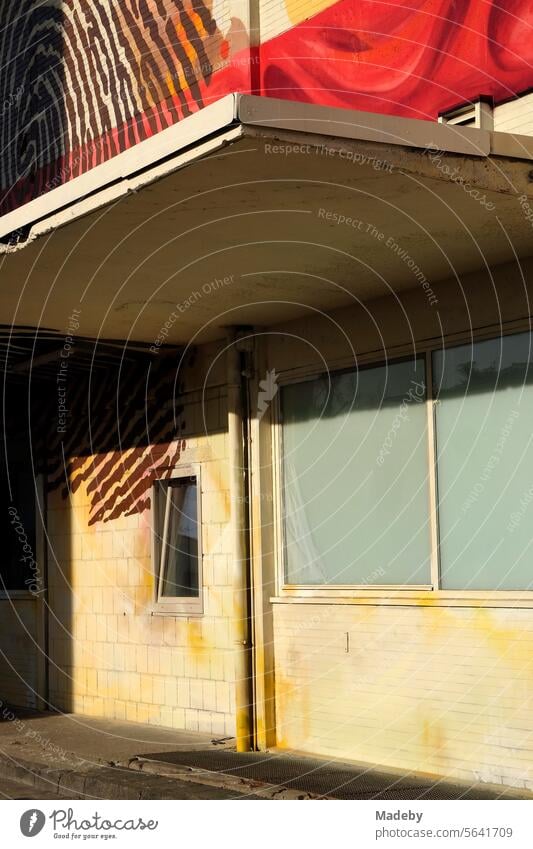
x=176 y=605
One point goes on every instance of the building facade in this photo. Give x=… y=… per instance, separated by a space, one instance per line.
x=266 y=444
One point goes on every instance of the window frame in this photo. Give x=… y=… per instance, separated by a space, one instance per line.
x=175 y=605
x=464 y=116
x=478 y=115
x=401 y=594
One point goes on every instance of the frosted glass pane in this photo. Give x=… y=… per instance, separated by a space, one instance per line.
x=484 y=425
x=355 y=490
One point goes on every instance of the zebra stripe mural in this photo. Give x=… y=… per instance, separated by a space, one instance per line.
x=83 y=80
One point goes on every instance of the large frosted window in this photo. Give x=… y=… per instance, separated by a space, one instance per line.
x=484 y=427
x=355 y=477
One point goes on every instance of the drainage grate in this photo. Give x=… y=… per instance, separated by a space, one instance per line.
x=340 y=781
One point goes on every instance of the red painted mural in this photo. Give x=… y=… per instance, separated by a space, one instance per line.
x=399 y=58
x=84 y=80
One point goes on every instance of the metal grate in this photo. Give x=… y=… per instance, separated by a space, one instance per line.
x=337 y=780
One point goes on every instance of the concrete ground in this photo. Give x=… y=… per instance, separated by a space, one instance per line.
x=72 y=756
x=10 y=789
x=55 y=737
x=48 y=755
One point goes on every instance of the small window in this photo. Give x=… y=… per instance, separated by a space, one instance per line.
x=177 y=549
x=464 y=117
x=478 y=114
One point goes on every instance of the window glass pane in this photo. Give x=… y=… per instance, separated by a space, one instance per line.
x=180 y=549
x=355 y=488
x=485 y=456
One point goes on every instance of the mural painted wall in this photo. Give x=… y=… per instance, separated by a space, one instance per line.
x=411 y=58
x=83 y=80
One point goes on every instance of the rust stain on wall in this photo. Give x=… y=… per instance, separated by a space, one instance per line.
x=195 y=638
x=433 y=736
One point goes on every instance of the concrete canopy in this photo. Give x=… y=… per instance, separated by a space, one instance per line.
x=274 y=209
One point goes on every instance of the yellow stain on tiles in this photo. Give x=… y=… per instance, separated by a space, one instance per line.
x=433 y=737
x=195 y=638
x=408 y=695
x=143 y=598
x=285 y=736
x=146 y=574
x=507 y=641
x=292 y=713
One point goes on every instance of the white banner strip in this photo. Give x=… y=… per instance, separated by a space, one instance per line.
x=309 y=824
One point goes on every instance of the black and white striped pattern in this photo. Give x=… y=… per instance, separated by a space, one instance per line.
x=82 y=80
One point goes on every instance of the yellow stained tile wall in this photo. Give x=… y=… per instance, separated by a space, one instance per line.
x=437 y=689
x=109 y=656
x=445 y=690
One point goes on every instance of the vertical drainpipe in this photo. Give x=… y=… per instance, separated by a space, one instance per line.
x=239 y=498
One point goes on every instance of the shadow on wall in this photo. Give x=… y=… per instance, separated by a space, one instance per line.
x=121 y=430
x=23 y=566
x=104 y=424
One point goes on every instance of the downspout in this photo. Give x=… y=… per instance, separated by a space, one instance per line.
x=240 y=499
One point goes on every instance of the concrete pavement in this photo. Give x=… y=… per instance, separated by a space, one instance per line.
x=10 y=789
x=81 y=757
